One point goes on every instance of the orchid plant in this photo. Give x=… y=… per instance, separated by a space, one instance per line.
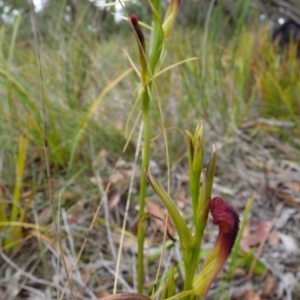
x=223 y=214
x=195 y=285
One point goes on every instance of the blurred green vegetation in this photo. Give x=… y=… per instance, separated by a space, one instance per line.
x=237 y=78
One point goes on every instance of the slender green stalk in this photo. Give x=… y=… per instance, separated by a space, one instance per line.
x=140 y=259
x=144 y=96
x=145 y=165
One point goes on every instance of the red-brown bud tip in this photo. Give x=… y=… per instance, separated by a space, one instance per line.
x=134 y=20
x=135 y=23
x=226 y=217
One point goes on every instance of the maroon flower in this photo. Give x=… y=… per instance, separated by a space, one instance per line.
x=226 y=217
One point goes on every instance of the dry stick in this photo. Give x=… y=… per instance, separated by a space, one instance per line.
x=78 y=277
x=46 y=149
x=34 y=291
x=263 y=242
x=101 y=190
x=127 y=207
x=22 y=283
x=102 y=194
x=99 y=206
x=26 y=274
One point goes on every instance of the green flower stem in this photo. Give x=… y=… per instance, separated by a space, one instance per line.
x=200 y=200
x=190 y=268
x=196 y=150
x=140 y=240
x=145 y=98
x=201 y=212
x=154 y=59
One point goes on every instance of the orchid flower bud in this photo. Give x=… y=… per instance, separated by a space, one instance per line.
x=170 y=17
x=226 y=217
x=142 y=46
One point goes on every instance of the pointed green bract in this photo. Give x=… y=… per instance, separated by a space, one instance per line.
x=196 y=150
x=158 y=35
x=210 y=173
x=190 y=147
x=197 y=131
x=197 y=164
x=205 y=196
x=170 y=17
x=185 y=236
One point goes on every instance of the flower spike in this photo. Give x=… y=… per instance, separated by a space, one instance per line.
x=226 y=217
